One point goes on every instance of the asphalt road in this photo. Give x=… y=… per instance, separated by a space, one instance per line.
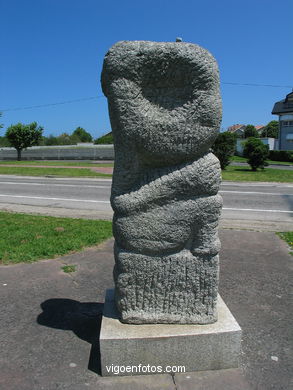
x=261 y=206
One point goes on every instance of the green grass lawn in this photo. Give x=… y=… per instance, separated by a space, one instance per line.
x=78 y=163
x=288 y=237
x=65 y=172
x=243 y=173
x=234 y=173
x=243 y=159
x=26 y=238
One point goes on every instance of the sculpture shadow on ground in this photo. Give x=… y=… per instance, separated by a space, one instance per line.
x=83 y=319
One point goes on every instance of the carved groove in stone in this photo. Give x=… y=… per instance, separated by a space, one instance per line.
x=165 y=111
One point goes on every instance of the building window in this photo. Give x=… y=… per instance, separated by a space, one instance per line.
x=287 y=123
x=289 y=137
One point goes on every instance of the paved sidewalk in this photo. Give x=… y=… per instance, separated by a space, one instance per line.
x=50 y=321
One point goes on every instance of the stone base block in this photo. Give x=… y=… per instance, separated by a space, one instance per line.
x=128 y=349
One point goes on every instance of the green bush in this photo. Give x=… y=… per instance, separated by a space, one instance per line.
x=51 y=140
x=256 y=153
x=82 y=135
x=62 y=139
x=224 y=147
x=105 y=139
x=4 y=142
x=250 y=131
x=281 y=155
x=271 y=130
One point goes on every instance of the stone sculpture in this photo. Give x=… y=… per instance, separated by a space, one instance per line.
x=165 y=112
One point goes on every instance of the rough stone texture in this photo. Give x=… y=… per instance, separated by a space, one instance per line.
x=165 y=111
x=196 y=347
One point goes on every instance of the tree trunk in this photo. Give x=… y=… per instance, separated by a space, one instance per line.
x=18 y=154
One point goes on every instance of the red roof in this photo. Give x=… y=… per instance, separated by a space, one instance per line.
x=234 y=128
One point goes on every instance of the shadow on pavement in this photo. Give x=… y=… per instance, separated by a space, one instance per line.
x=83 y=319
x=289 y=200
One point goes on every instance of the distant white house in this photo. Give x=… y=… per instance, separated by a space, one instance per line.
x=284 y=108
x=239 y=129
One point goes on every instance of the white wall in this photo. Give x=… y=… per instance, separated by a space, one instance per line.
x=272 y=142
x=66 y=152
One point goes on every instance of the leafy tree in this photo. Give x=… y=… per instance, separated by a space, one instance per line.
x=271 y=130
x=105 y=139
x=4 y=142
x=51 y=140
x=82 y=135
x=74 y=139
x=224 y=147
x=256 y=153
x=22 y=136
x=1 y=125
x=64 y=139
x=250 y=131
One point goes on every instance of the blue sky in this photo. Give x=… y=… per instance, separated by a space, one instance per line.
x=52 y=51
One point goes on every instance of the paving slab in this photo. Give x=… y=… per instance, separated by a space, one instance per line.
x=256 y=283
x=49 y=320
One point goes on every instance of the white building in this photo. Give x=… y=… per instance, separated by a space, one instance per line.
x=284 y=108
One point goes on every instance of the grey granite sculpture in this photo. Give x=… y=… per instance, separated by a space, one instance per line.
x=165 y=111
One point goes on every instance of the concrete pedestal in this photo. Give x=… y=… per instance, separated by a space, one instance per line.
x=159 y=348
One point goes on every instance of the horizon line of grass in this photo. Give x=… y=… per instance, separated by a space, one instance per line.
x=271 y=162
x=243 y=173
x=110 y=164
x=63 y=172
x=231 y=173
x=57 y=163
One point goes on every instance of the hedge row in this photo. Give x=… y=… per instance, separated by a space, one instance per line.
x=281 y=155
